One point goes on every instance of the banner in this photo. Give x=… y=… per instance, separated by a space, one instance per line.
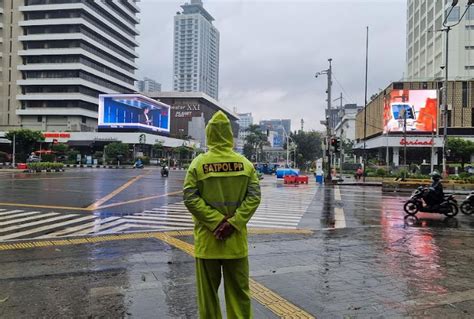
x=418 y=108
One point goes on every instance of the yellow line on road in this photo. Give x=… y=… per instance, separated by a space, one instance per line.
x=44 y=206
x=115 y=192
x=253 y=231
x=138 y=200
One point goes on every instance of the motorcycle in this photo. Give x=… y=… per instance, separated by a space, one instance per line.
x=138 y=164
x=467 y=206
x=164 y=171
x=414 y=205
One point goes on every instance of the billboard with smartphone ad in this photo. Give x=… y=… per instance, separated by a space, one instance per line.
x=133 y=112
x=419 y=107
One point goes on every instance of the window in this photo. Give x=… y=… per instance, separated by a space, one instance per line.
x=40 y=118
x=464 y=94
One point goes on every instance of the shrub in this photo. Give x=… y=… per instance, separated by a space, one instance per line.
x=381 y=172
x=403 y=173
x=45 y=166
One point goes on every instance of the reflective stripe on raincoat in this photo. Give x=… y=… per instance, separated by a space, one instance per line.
x=221 y=184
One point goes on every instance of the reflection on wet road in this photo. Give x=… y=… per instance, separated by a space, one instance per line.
x=126 y=201
x=363 y=259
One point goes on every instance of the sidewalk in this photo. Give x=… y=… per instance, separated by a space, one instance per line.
x=350 y=273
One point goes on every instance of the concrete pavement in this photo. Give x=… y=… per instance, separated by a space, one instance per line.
x=325 y=252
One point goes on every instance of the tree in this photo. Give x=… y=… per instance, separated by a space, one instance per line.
x=308 y=147
x=460 y=150
x=248 y=151
x=158 y=148
x=117 y=150
x=25 y=141
x=254 y=141
x=60 y=148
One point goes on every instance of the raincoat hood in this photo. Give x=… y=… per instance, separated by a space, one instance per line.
x=219 y=132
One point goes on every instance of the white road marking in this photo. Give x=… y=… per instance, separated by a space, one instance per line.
x=339 y=217
x=20 y=220
x=11 y=212
x=18 y=215
x=41 y=229
x=43 y=221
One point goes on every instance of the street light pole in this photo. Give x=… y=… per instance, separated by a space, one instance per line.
x=365 y=106
x=328 y=117
x=445 y=99
x=445 y=86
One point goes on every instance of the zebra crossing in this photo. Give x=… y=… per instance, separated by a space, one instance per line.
x=281 y=207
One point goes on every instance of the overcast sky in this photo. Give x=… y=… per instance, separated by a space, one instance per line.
x=270 y=51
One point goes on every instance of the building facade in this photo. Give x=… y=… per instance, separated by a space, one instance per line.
x=58 y=56
x=190 y=113
x=281 y=129
x=148 y=85
x=346 y=126
x=245 y=120
x=196 y=51
x=420 y=145
x=425 y=55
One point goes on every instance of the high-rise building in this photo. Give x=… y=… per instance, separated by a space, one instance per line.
x=282 y=128
x=245 y=120
x=196 y=51
x=426 y=44
x=58 y=56
x=148 y=86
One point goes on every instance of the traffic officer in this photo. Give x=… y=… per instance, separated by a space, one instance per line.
x=222 y=192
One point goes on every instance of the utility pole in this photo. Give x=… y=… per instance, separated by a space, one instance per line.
x=445 y=106
x=329 y=120
x=365 y=106
x=339 y=118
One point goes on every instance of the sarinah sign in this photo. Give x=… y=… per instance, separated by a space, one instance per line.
x=416 y=142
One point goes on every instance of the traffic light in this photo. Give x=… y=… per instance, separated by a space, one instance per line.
x=337 y=147
x=333 y=143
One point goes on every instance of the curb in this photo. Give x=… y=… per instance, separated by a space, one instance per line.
x=360 y=184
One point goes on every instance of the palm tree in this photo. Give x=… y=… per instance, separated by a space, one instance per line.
x=256 y=139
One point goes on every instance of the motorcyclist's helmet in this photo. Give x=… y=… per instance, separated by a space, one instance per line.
x=435 y=176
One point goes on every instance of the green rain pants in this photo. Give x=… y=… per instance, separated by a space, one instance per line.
x=236 y=287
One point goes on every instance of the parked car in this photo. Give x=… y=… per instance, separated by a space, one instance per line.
x=33 y=159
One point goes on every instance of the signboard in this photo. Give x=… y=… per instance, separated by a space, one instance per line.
x=133 y=111
x=186 y=110
x=418 y=108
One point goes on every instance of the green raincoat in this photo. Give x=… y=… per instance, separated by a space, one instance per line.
x=219 y=184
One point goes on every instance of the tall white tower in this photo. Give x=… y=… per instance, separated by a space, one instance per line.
x=426 y=46
x=196 y=51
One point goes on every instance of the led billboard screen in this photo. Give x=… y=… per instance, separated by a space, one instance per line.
x=418 y=107
x=133 y=111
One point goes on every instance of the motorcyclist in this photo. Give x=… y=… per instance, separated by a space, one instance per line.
x=138 y=164
x=434 y=194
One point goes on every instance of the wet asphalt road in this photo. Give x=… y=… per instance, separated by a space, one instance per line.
x=362 y=259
